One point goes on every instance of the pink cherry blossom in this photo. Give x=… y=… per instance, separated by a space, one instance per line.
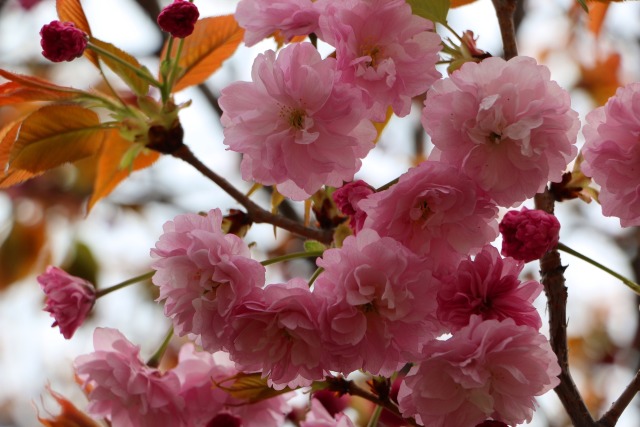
x=528 y=234
x=209 y=405
x=347 y=198
x=202 y=274
x=488 y=369
x=488 y=286
x=318 y=416
x=434 y=210
x=612 y=154
x=505 y=124
x=179 y=18
x=384 y=49
x=295 y=124
x=69 y=299
x=262 y=18
x=276 y=331
x=379 y=304
x=62 y=41
x=123 y=389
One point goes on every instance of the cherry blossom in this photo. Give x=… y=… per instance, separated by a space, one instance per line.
x=296 y=125
x=488 y=286
x=69 y=299
x=384 y=49
x=612 y=154
x=62 y=41
x=179 y=18
x=505 y=124
x=488 y=369
x=347 y=198
x=202 y=274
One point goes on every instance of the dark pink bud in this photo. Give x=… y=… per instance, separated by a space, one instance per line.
x=492 y=423
x=69 y=299
x=179 y=18
x=528 y=234
x=347 y=198
x=225 y=420
x=62 y=41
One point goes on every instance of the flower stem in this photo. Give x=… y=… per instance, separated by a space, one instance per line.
x=137 y=72
x=630 y=283
x=315 y=275
x=295 y=255
x=154 y=361
x=375 y=416
x=142 y=277
x=173 y=73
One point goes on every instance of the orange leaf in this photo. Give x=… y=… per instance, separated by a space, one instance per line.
x=36 y=83
x=109 y=171
x=458 y=3
x=139 y=85
x=15 y=93
x=54 y=135
x=70 y=416
x=71 y=11
x=597 y=13
x=213 y=40
x=8 y=135
x=601 y=80
x=22 y=251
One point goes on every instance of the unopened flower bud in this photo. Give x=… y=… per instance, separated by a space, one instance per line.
x=528 y=234
x=179 y=18
x=62 y=41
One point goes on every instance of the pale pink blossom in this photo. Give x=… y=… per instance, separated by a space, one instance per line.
x=488 y=369
x=528 y=234
x=318 y=416
x=347 y=198
x=384 y=49
x=202 y=274
x=612 y=154
x=69 y=299
x=503 y=123
x=276 y=332
x=262 y=18
x=123 y=389
x=296 y=125
x=488 y=286
x=206 y=404
x=379 y=304
x=434 y=210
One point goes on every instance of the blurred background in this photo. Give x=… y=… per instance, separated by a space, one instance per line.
x=44 y=221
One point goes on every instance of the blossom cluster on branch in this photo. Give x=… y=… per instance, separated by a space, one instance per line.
x=412 y=291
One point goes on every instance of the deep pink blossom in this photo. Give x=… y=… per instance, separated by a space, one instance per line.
x=28 y=4
x=202 y=274
x=62 y=41
x=262 y=18
x=69 y=299
x=123 y=389
x=504 y=124
x=209 y=405
x=528 y=234
x=318 y=416
x=347 y=198
x=379 y=304
x=488 y=286
x=384 y=49
x=276 y=332
x=179 y=18
x=434 y=210
x=612 y=154
x=295 y=124
x=488 y=369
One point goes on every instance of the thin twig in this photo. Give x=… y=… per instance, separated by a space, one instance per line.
x=256 y=213
x=610 y=418
x=505 y=10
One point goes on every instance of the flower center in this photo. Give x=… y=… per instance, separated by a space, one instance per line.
x=494 y=138
x=294 y=116
x=373 y=52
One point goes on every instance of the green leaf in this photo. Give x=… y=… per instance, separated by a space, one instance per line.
x=583 y=3
x=433 y=10
x=313 y=246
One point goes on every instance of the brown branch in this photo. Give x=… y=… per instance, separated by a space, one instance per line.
x=505 y=10
x=552 y=277
x=610 y=418
x=256 y=213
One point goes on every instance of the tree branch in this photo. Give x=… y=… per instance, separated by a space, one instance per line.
x=552 y=277
x=610 y=418
x=505 y=10
x=256 y=213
